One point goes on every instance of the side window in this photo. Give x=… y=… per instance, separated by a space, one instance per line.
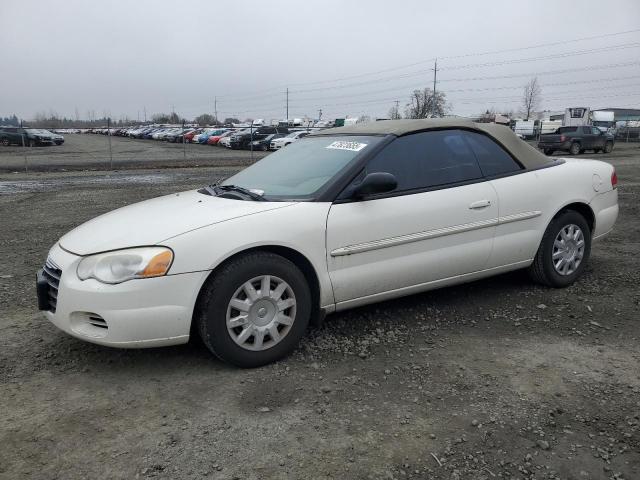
x=493 y=159
x=427 y=159
x=595 y=130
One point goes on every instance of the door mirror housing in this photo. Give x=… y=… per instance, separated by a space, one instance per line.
x=377 y=182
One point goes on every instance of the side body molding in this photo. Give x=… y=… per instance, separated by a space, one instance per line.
x=440 y=232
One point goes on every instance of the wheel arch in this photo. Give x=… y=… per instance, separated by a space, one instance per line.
x=583 y=209
x=297 y=258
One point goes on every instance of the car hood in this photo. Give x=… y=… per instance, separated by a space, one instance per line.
x=152 y=221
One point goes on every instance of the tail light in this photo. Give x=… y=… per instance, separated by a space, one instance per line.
x=563 y=138
x=614 y=179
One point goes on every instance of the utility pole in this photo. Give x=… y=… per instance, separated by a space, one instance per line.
x=435 y=76
x=287 y=104
x=215 y=109
x=145 y=114
x=320 y=114
x=397 y=115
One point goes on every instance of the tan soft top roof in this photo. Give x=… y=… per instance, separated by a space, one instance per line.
x=525 y=153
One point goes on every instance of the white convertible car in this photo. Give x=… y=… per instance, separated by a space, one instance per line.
x=341 y=218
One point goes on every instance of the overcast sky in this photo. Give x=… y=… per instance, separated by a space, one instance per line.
x=348 y=58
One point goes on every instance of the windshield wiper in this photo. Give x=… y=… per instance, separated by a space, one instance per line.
x=235 y=188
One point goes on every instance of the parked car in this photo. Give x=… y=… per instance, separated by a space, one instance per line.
x=284 y=141
x=32 y=137
x=243 y=139
x=576 y=140
x=204 y=136
x=57 y=138
x=263 y=144
x=343 y=218
x=189 y=136
x=177 y=135
x=223 y=140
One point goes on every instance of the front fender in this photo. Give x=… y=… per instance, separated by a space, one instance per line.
x=301 y=228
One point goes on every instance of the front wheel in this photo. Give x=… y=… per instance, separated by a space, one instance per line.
x=608 y=147
x=255 y=310
x=563 y=252
x=32 y=143
x=548 y=151
x=5 y=142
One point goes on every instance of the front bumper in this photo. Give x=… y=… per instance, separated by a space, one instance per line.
x=141 y=313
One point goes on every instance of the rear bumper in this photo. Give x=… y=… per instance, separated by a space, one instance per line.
x=554 y=146
x=135 y=314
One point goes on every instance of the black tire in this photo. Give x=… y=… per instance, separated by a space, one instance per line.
x=265 y=148
x=211 y=310
x=32 y=143
x=542 y=269
x=575 y=149
x=548 y=151
x=597 y=150
x=608 y=147
x=5 y=142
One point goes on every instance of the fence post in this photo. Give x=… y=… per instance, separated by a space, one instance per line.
x=627 y=131
x=251 y=144
x=109 y=136
x=26 y=169
x=184 y=144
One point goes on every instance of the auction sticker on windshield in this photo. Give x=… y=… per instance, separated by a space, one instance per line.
x=342 y=145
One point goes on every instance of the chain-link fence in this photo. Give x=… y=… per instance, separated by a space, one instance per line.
x=141 y=146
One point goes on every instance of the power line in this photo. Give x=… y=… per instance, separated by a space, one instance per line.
x=429 y=60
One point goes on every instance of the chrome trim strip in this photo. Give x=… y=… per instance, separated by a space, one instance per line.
x=439 y=232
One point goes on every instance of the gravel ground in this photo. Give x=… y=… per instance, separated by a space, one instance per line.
x=494 y=379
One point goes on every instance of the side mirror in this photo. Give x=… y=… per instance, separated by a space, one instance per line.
x=377 y=182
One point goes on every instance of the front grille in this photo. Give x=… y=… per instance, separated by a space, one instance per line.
x=52 y=275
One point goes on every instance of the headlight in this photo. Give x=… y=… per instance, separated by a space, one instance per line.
x=122 y=265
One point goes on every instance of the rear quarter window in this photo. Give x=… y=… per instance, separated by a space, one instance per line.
x=492 y=158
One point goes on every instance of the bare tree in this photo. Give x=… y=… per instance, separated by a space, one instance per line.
x=394 y=113
x=205 y=119
x=424 y=104
x=531 y=97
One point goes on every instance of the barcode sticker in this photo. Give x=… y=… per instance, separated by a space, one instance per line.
x=342 y=145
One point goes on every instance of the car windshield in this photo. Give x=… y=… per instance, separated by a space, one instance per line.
x=303 y=168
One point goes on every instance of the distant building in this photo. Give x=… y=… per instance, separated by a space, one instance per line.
x=622 y=114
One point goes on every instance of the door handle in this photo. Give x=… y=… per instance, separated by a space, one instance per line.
x=480 y=204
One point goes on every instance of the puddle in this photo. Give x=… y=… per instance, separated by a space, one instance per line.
x=11 y=187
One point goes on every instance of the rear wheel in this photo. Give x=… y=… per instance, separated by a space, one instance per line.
x=563 y=252
x=575 y=149
x=548 y=151
x=608 y=147
x=5 y=142
x=32 y=143
x=255 y=310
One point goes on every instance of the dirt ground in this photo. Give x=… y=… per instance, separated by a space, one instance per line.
x=494 y=379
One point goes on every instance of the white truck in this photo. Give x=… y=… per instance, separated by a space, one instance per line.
x=576 y=117
x=525 y=128
x=603 y=120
